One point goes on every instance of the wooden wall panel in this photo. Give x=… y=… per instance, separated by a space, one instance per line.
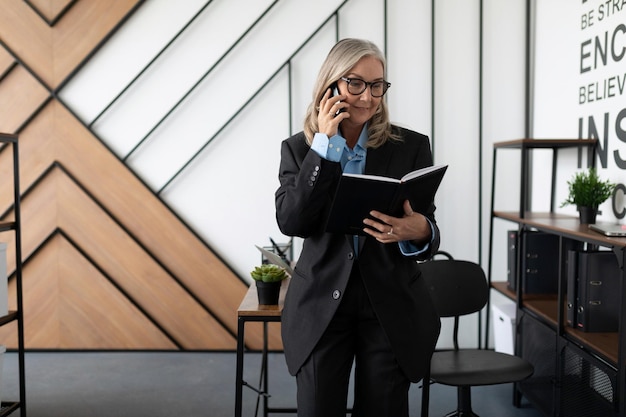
x=6 y=61
x=107 y=264
x=53 y=52
x=75 y=306
x=20 y=95
x=50 y=9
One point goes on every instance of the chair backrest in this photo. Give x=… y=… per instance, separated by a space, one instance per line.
x=456 y=287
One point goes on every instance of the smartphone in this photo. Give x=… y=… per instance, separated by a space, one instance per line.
x=335 y=92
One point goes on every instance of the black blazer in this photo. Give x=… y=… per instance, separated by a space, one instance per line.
x=392 y=280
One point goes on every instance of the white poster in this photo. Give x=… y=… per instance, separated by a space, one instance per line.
x=580 y=88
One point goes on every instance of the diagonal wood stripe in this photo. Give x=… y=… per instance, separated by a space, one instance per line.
x=6 y=61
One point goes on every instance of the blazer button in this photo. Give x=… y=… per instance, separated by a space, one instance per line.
x=336 y=294
x=351 y=256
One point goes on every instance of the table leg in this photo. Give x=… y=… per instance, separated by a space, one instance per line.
x=239 y=372
x=265 y=371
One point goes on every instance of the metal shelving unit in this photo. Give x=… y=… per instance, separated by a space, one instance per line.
x=576 y=373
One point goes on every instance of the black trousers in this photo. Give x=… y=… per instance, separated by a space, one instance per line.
x=353 y=336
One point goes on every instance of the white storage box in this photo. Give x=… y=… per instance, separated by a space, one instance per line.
x=504 y=327
x=4 y=298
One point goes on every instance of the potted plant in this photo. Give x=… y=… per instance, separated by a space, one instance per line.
x=587 y=191
x=268 y=279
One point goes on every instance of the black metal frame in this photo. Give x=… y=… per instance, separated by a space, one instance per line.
x=525 y=146
x=263 y=388
x=18 y=315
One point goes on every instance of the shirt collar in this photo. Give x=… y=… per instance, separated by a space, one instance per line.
x=360 y=144
x=363 y=138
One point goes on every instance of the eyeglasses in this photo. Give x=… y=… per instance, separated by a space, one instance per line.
x=357 y=86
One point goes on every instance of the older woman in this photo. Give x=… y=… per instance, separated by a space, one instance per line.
x=354 y=299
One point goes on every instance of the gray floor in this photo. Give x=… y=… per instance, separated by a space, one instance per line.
x=184 y=384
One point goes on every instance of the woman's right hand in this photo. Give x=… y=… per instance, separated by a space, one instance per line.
x=327 y=118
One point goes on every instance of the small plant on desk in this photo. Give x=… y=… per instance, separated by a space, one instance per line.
x=268 y=279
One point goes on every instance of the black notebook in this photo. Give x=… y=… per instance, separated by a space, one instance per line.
x=358 y=194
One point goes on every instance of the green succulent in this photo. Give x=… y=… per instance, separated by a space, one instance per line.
x=586 y=189
x=268 y=273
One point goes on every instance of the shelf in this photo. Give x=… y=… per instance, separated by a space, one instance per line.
x=8 y=407
x=8 y=318
x=525 y=146
x=503 y=288
x=562 y=225
x=4 y=226
x=573 y=363
x=545 y=307
x=603 y=344
x=545 y=143
x=8 y=138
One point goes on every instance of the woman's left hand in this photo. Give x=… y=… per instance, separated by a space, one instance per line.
x=386 y=229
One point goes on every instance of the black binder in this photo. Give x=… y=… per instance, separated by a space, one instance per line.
x=540 y=261
x=598 y=292
x=540 y=273
x=572 y=287
x=511 y=273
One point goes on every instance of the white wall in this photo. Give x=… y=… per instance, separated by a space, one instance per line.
x=503 y=110
x=231 y=126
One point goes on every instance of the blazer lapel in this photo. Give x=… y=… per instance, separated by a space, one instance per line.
x=378 y=160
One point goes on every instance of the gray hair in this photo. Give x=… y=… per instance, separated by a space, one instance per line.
x=340 y=60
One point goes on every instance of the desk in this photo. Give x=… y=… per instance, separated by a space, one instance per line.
x=250 y=310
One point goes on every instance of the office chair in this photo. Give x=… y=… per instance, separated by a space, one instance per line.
x=459 y=288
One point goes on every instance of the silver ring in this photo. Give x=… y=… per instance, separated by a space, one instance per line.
x=390 y=232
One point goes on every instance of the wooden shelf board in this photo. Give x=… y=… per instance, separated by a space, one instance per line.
x=545 y=308
x=561 y=224
x=8 y=408
x=503 y=288
x=5 y=226
x=12 y=315
x=603 y=344
x=545 y=143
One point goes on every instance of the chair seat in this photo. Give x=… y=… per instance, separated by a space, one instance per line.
x=477 y=367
